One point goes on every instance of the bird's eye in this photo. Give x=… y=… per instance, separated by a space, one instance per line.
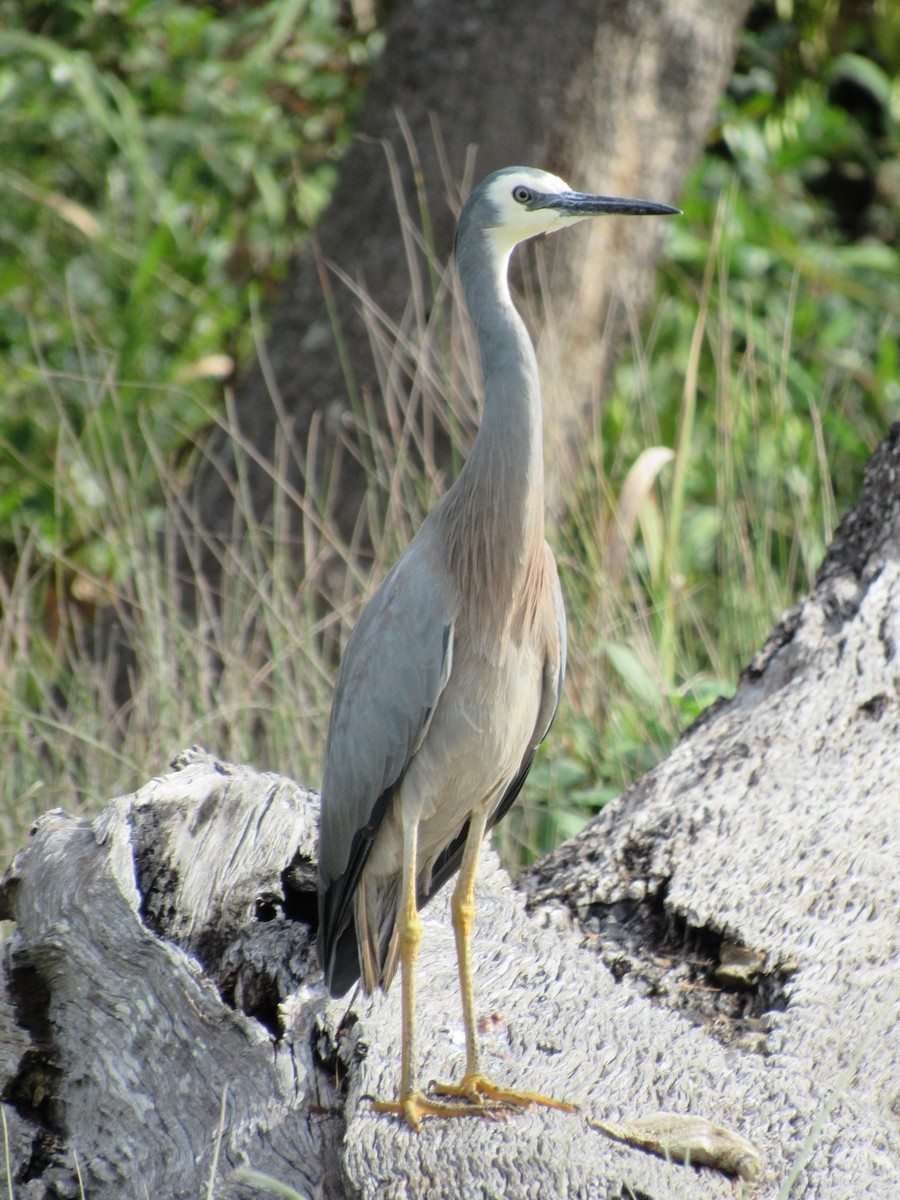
x=521 y=195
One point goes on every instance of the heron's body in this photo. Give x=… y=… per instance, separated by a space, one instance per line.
x=467 y=763
x=451 y=678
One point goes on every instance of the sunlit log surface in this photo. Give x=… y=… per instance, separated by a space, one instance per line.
x=721 y=942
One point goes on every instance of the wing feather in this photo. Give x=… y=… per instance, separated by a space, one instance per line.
x=396 y=664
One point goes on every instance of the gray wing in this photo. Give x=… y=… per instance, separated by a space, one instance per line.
x=555 y=669
x=394 y=668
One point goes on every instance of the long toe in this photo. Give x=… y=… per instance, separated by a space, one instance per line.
x=415 y=1107
x=477 y=1088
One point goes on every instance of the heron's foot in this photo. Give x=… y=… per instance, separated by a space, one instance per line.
x=477 y=1089
x=414 y=1107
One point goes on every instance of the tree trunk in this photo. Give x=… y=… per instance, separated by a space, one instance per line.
x=617 y=97
x=722 y=942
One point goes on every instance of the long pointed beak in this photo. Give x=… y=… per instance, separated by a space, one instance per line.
x=580 y=204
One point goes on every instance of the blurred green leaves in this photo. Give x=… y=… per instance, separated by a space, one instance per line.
x=806 y=287
x=161 y=162
x=160 y=165
x=769 y=368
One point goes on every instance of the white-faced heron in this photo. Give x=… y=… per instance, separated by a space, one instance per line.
x=452 y=675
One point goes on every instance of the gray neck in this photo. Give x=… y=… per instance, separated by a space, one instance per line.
x=494 y=513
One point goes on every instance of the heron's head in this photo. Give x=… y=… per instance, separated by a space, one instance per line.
x=518 y=203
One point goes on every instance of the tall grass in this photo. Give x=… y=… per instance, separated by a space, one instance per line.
x=674 y=561
x=708 y=484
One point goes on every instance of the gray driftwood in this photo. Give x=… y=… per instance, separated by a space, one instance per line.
x=138 y=935
x=722 y=941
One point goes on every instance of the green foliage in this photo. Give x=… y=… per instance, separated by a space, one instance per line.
x=161 y=161
x=160 y=164
x=771 y=370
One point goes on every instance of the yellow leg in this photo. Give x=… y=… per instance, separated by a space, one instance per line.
x=411 y=1104
x=474 y=1085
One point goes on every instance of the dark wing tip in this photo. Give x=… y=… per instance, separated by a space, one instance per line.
x=337 y=945
x=341 y=967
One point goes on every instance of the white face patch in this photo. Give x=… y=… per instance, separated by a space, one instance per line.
x=516 y=222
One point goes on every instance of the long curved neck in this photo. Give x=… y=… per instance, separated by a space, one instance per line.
x=494 y=513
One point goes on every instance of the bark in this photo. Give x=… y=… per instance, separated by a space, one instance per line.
x=618 y=97
x=721 y=941
x=142 y=940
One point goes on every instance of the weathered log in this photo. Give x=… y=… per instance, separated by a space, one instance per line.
x=773 y=830
x=136 y=935
x=721 y=941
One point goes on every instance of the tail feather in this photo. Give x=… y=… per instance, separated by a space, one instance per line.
x=392 y=960
x=376 y=904
x=364 y=940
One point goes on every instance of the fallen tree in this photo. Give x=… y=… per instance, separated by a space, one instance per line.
x=721 y=941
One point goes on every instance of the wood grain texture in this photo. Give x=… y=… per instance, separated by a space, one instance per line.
x=774 y=825
x=131 y=1044
x=722 y=941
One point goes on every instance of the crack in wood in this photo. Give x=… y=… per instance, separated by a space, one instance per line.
x=679 y=966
